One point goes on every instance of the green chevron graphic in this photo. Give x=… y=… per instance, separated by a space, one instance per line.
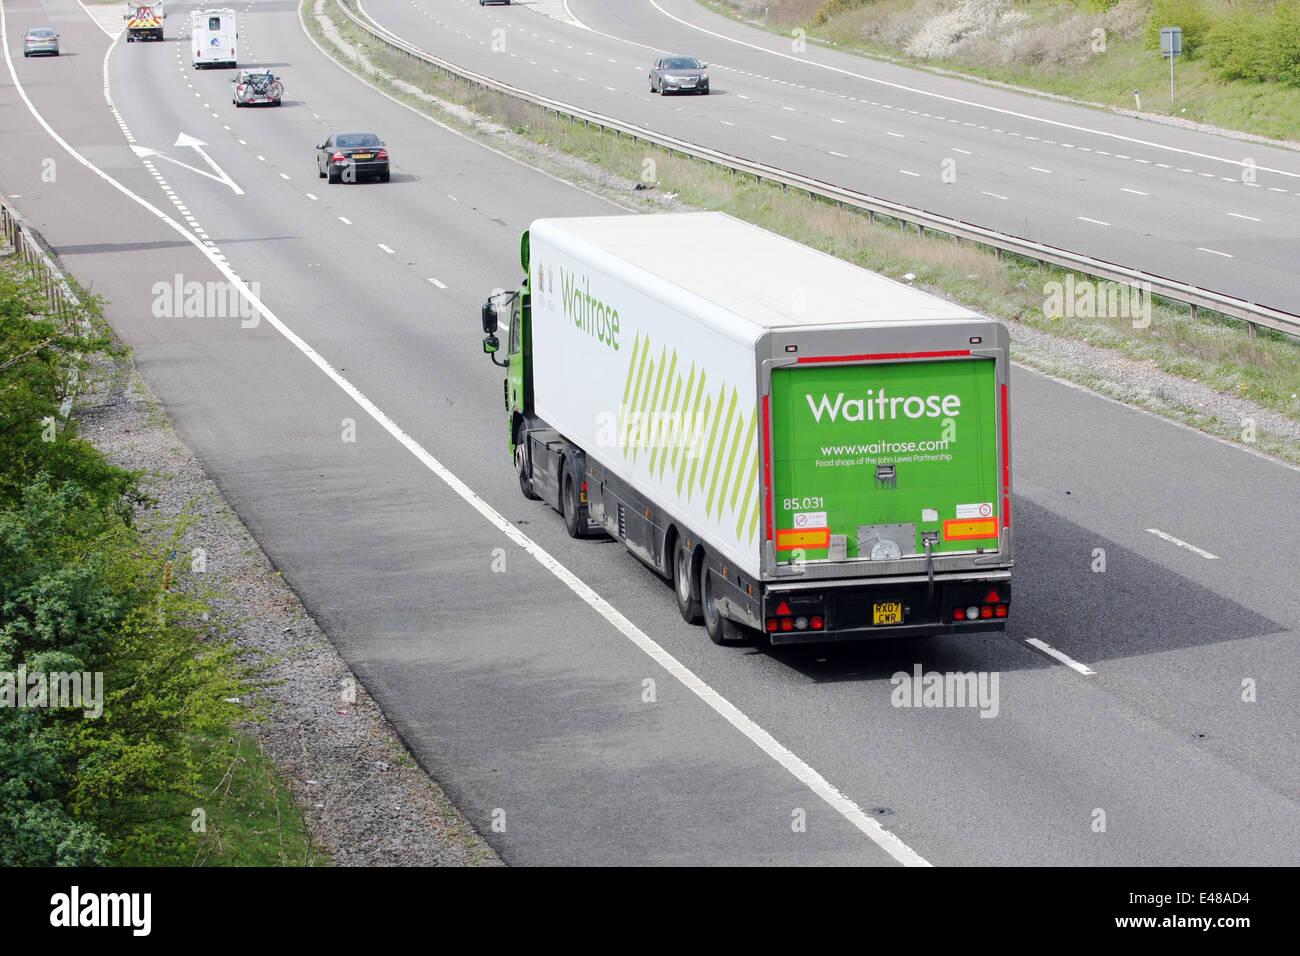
x=698 y=435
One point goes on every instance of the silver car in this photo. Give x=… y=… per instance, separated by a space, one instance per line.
x=679 y=74
x=41 y=41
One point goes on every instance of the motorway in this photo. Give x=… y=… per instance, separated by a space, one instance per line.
x=1205 y=209
x=524 y=691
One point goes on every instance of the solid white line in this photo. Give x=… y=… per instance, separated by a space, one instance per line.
x=971 y=103
x=804 y=773
x=1039 y=169
x=1065 y=659
x=958 y=149
x=1094 y=221
x=994 y=195
x=840 y=155
x=284 y=176
x=310 y=196
x=345 y=221
x=1135 y=192
x=1215 y=252
x=437 y=283
x=781 y=138
x=834 y=120
x=1182 y=544
x=385 y=248
x=897 y=135
x=908 y=172
x=1241 y=216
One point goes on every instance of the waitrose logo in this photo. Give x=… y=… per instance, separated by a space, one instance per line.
x=587 y=312
x=879 y=407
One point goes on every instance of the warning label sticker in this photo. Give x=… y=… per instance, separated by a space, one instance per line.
x=983 y=510
x=809 y=519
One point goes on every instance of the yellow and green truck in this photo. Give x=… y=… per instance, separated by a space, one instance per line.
x=807 y=451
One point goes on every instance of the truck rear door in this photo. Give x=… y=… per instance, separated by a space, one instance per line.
x=873 y=459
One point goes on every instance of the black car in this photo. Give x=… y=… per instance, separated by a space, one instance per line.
x=679 y=74
x=349 y=157
x=483 y=3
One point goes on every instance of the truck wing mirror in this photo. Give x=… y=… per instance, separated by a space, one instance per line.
x=489 y=319
x=490 y=345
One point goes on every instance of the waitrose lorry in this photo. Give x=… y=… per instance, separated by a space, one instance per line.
x=806 y=450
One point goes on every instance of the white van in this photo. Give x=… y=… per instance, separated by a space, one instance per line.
x=214 y=36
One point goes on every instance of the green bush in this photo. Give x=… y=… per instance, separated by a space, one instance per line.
x=1261 y=44
x=81 y=591
x=833 y=8
x=1196 y=17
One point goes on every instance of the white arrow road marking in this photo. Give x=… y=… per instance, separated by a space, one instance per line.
x=144 y=152
x=197 y=145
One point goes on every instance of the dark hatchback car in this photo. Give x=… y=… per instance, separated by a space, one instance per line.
x=348 y=157
x=679 y=74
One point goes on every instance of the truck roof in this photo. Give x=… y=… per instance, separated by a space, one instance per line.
x=760 y=277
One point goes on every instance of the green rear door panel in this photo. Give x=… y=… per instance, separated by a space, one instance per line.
x=835 y=426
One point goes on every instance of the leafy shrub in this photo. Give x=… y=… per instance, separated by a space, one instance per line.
x=81 y=591
x=833 y=8
x=1196 y=17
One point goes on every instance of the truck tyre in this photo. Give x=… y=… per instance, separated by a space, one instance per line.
x=688 y=602
x=522 y=467
x=573 y=522
x=720 y=630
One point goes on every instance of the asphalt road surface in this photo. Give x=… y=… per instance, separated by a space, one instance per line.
x=357 y=429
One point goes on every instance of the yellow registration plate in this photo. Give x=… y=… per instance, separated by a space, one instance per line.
x=888 y=613
x=361 y=155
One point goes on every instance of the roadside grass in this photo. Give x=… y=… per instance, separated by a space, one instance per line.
x=1218 y=352
x=244 y=816
x=1053 y=52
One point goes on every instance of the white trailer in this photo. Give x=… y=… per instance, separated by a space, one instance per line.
x=806 y=449
x=214 y=37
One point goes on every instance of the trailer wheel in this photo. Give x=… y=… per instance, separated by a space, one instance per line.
x=720 y=629
x=688 y=602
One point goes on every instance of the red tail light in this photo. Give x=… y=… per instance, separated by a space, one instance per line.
x=338 y=157
x=772 y=624
x=382 y=154
x=1000 y=610
x=817 y=622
